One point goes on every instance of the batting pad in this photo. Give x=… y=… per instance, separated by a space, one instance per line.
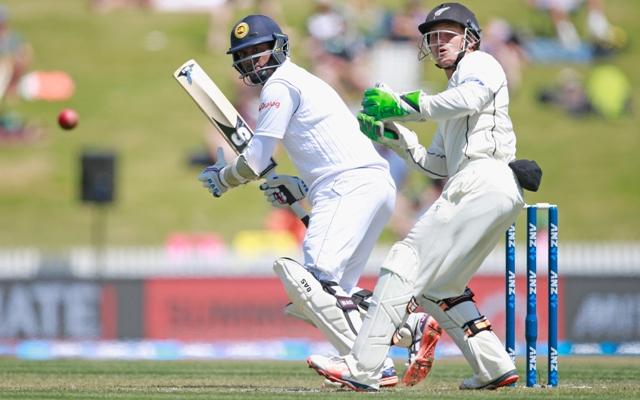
x=296 y=312
x=337 y=316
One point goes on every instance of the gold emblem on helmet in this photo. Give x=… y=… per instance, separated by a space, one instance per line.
x=242 y=29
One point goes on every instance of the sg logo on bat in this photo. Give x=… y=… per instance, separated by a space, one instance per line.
x=241 y=136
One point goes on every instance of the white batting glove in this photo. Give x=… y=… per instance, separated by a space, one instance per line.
x=211 y=177
x=283 y=190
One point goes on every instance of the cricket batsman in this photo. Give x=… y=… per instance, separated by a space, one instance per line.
x=474 y=147
x=347 y=182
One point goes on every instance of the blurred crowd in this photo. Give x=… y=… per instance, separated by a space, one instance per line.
x=18 y=82
x=352 y=44
x=15 y=58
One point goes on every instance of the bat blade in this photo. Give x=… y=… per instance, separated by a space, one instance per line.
x=214 y=104
x=223 y=115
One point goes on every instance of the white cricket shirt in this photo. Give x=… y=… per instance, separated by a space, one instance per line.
x=472 y=114
x=318 y=131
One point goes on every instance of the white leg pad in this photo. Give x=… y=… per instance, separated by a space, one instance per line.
x=493 y=359
x=483 y=351
x=296 y=312
x=337 y=316
x=360 y=297
x=387 y=309
x=453 y=329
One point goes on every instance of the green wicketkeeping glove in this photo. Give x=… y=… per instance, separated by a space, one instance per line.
x=390 y=134
x=374 y=129
x=382 y=103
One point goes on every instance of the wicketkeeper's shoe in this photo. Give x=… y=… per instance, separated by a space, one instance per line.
x=473 y=383
x=425 y=333
x=337 y=370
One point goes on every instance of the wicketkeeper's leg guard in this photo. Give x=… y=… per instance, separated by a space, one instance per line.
x=472 y=332
x=324 y=304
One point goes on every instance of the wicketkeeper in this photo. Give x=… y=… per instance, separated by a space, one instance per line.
x=346 y=181
x=474 y=147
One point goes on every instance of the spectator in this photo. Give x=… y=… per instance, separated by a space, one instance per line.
x=336 y=48
x=560 y=11
x=606 y=92
x=393 y=59
x=568 y=94
x=220 y=14
x=365 y=17
x=400 y=24
x=103 y=6
x=501 y=41
x=15 y=56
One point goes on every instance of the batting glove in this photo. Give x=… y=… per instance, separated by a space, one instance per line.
x=211 y=177
x=283 y=190
x=382 y=103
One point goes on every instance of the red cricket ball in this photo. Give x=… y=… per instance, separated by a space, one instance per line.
x=68 y=118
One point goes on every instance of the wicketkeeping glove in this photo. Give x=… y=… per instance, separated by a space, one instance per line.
x=382 y=103
x=390 y=134
x=374 y=129
x=211 y=176
x=283 y=190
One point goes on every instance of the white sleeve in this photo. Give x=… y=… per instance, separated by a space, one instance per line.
x=479 y=77
x=259 y=151
x=470 y=97
x=431 y=161
x=278 y=102
x=436 y=159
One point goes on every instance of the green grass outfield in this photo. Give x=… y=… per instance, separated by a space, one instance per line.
x=580 y=378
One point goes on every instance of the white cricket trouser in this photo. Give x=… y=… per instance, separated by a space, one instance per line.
x=348 y=214
x=437 y=259
x=454 y=236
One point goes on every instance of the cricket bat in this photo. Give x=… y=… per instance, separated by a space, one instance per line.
x=223 y=115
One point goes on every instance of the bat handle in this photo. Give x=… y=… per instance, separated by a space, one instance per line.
x=300 y=213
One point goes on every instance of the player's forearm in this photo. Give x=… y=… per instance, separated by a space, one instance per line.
x=255 y=158
x=469 y=98
x=428 y=162
x=259 y=151
x=237 y=173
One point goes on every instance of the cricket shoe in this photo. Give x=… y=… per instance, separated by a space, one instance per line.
x=473 y=383
x=388 y=379
x=425 y=333
x=337 y=370
x=389 y=376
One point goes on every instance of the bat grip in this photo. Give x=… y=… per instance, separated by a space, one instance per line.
x=300 y=213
